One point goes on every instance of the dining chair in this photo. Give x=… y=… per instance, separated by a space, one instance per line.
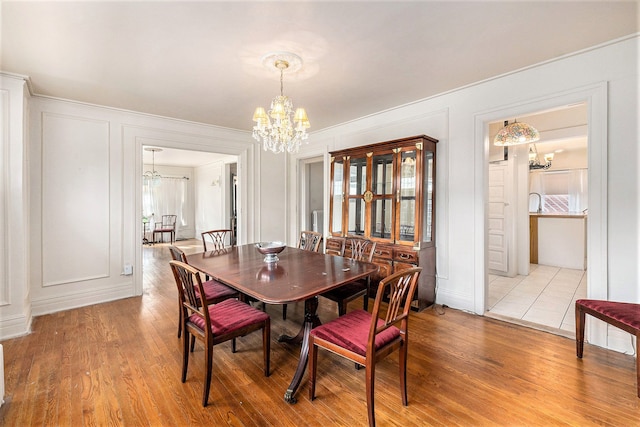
x=309 y=241
x=361 y=249
x=339 y=249
x=168 y=225
x=365 y=338
x=214 y=324
x=214 y=291
x=214 y=240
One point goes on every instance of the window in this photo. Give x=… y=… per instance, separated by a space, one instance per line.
x=560 y=191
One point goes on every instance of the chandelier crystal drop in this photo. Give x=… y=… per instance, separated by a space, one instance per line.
x=515 y=134
x=280 y=129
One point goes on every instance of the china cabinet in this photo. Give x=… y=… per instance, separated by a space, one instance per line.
x=386 y=192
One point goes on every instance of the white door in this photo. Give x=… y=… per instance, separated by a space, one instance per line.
x=498 y=239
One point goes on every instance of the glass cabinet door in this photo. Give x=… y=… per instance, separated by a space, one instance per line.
x=382 y=200
x=406 y=196
x=428 y=195
x=337 y=196
x=357 y=187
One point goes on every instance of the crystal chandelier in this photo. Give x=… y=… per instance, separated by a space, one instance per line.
x=516 y=133
x=280 y=129
x=152 y=176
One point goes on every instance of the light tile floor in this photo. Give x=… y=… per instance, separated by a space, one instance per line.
x=544 y=299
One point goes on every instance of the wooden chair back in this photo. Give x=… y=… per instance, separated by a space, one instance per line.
x=339 y=251
x=214 y=240
x=361 y=249
x=168 y=223
x=187 y=280
x=310 y=241
x=399 y=289
x=178 y=254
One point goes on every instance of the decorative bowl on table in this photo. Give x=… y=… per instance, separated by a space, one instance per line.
x=271 y=250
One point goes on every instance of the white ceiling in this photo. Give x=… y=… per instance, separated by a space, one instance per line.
x=201 y=61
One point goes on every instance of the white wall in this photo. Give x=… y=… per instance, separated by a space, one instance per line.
x=210 y=200
x=458 y=119
x=15 y=307
x=73 y=218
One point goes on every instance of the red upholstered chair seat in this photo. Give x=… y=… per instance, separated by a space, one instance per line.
x=624 y=312
x=623 y=315
x=351 y=331
x=214 y=290
x=229 y=315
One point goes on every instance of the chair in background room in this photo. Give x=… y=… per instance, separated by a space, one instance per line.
x=309 y=241
x=366 y=338
x=214 y=324
x=168 y=225
x=360 y=250
x=214 y=240
x=214 y=291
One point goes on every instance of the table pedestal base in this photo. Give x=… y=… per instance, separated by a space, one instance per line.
x=311 y=320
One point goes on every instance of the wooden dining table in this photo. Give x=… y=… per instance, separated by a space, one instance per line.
x=298 y=275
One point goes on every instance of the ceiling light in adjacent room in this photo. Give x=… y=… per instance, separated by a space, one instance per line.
x=516 y=133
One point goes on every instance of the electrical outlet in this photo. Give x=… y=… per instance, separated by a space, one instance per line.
x=128 y=269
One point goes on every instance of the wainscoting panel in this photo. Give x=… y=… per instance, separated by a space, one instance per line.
x=75 y=199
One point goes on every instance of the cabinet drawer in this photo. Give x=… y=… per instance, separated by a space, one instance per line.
x=405 y=255
x=383 y=252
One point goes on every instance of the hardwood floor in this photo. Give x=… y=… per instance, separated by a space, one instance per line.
x=119 y=363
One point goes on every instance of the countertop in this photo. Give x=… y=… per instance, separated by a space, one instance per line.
x=558 y=215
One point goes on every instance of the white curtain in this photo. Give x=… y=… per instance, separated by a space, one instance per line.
x=165 y=196
x=536 y=185
x=570 y=183
x=578 y=190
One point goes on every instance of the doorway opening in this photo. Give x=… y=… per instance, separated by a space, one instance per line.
x=537 y=222
x=311 y=213
x=200 y=188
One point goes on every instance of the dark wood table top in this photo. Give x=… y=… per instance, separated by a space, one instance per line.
x=297 y=276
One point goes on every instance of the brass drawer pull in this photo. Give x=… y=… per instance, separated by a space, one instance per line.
x=405 y=256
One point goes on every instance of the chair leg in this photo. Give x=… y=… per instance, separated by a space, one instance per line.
x=208 y=349
x=365 y=304
x=313 y=361
x=638 y=364
x=180 y=320
x=402 y=364
x=342 y=308
x=185 y=355
x=370 y=379
x=284 y=311
x=266 y=346
x=193 y=343
x=233 y=345
x=580 y=321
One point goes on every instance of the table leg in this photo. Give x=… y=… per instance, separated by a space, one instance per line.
x=311 y=320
